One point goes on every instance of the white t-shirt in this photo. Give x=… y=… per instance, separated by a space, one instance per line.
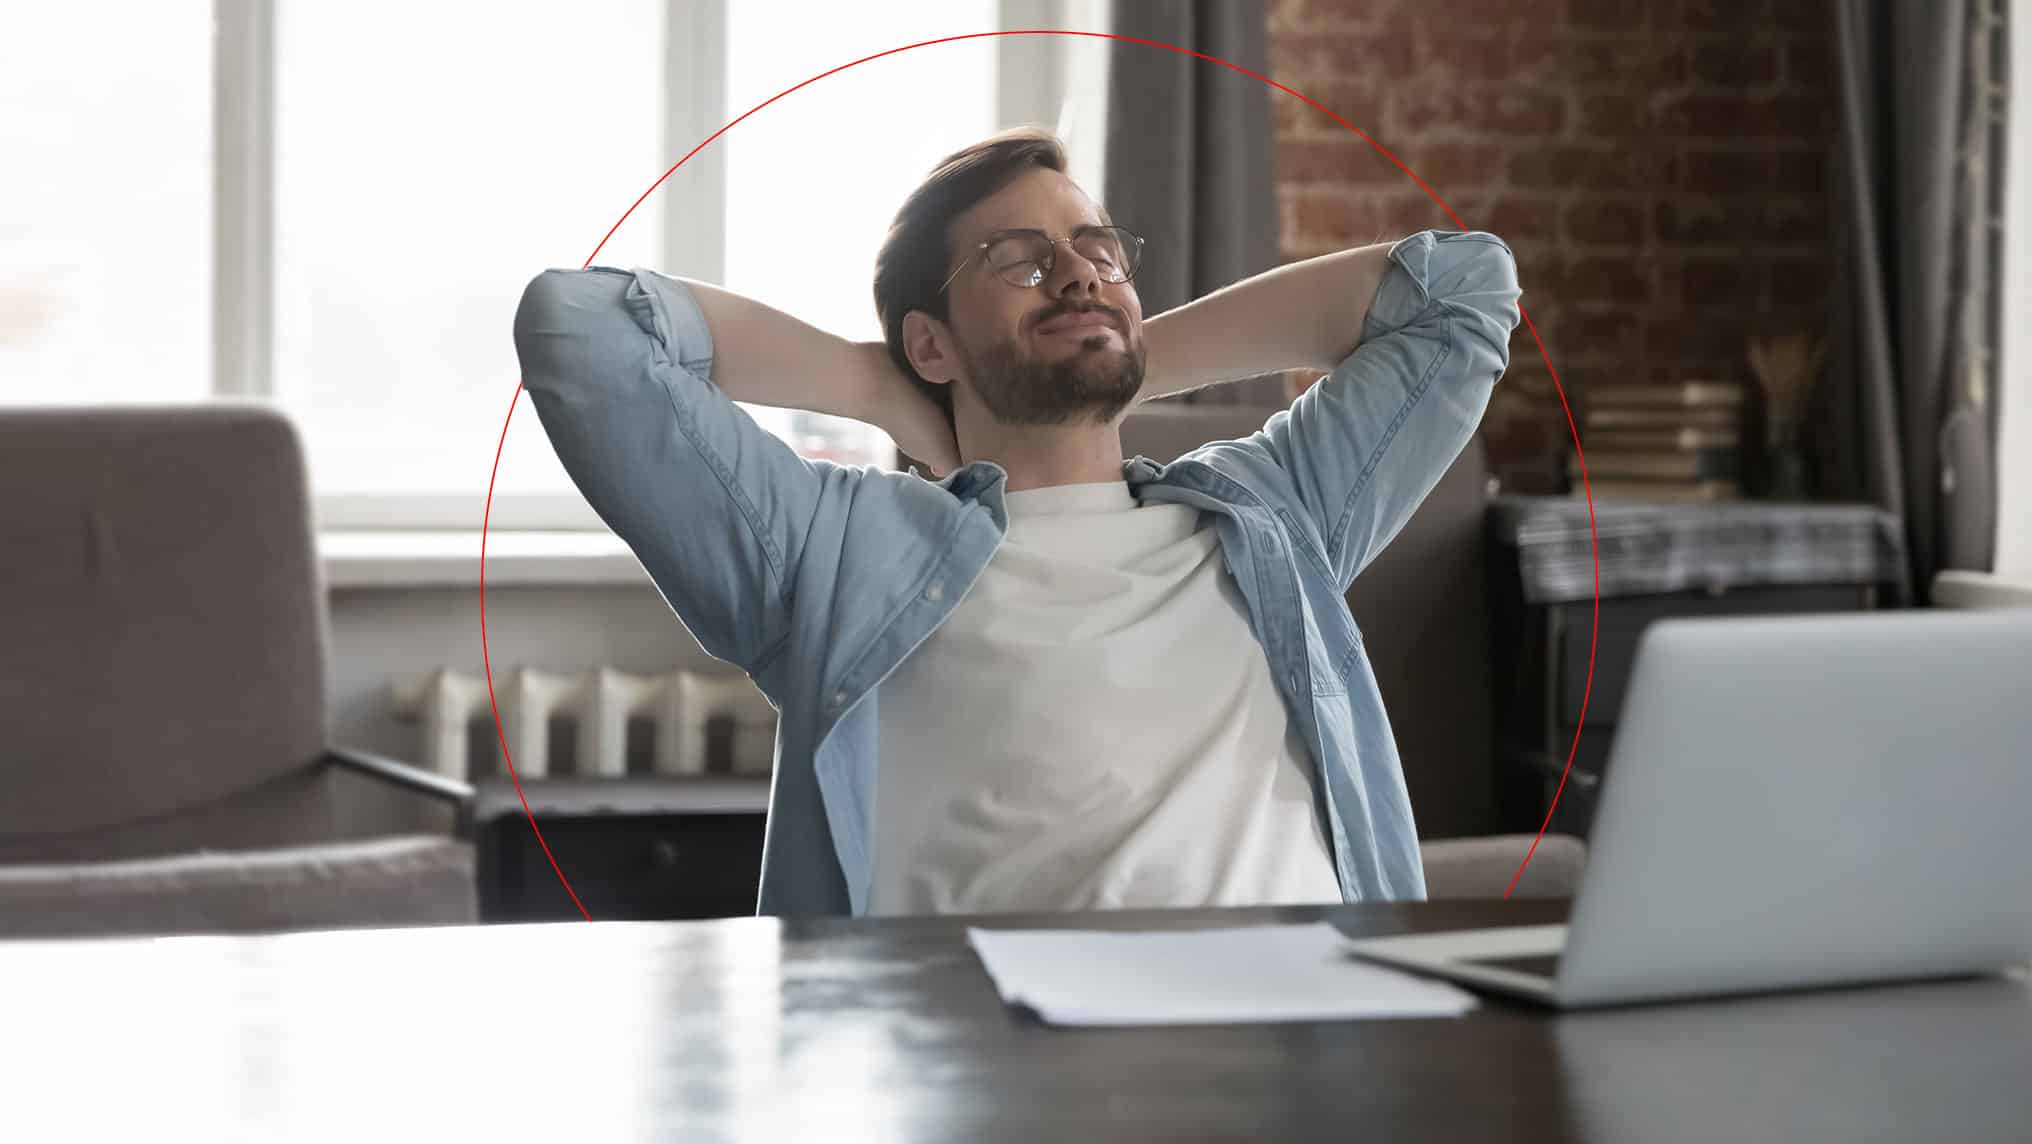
x=1094 y=727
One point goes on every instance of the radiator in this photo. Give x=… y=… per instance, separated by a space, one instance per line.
x=597 y=707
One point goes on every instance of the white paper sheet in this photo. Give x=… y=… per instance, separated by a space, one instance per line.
x=1194 y=977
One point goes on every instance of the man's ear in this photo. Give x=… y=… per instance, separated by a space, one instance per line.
x=927 y=342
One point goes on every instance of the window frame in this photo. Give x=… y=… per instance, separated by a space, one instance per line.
x=1032 y=74
x=2013 y=552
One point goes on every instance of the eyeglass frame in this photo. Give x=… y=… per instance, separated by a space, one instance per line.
x=981 y=250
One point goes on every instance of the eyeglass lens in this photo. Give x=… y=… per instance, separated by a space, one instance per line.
x=1025 y=258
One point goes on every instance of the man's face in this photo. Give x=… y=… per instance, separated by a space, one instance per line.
x=1065 y=350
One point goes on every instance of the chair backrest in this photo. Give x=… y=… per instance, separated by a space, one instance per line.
x=161 y=623
x=1422 y=607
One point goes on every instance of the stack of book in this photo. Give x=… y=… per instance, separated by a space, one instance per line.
x=1667 y=443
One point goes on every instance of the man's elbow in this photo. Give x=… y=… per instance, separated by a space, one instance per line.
x=543 y=320
x=1482 y=287
x=575 y=325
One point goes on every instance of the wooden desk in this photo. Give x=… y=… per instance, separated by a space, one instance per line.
x=836 y=1030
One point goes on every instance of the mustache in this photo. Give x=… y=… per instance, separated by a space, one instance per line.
x=1059 y=310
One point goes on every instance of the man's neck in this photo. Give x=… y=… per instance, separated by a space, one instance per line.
x=1040 y=456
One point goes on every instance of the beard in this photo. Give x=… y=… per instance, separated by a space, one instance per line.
x=1095 y=382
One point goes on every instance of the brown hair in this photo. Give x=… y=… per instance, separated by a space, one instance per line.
x=914 y=259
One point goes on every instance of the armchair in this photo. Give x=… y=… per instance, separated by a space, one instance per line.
x=162 y=685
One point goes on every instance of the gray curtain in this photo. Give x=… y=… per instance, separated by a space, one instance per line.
x=1911 y=401
x=1188 y=156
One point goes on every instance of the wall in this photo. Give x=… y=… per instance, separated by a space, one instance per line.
x=1660 y=168
x=2014 y=431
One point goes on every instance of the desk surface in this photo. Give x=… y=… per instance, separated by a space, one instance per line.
x=889 y=1030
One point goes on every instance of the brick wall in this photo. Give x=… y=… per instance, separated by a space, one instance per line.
x=1660 y=168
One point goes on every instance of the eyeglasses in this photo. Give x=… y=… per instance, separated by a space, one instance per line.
x=1025 y=257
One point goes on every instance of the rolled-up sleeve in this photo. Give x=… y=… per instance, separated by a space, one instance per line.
x=619 y=364
x=1364 y=446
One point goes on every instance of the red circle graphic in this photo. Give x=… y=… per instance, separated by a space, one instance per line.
x=1594 y=540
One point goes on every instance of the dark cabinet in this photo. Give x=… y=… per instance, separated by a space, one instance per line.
x=632 y=849
x=1656 y=562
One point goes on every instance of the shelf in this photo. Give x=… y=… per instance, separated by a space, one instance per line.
x=432 y=558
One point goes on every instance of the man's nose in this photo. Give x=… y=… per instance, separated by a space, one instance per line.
x=1072 y=275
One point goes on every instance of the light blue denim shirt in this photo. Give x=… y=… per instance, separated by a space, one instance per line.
x=817 y=579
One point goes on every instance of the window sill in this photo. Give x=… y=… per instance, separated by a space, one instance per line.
x=451 y=559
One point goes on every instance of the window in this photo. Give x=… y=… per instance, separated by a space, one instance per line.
x=414 y=197
x=394 y=173
x=856 y=142
x=105 y=255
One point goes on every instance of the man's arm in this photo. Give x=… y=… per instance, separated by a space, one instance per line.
x=621 y=366
x=1430 y=334
x=764 y=356
x=635 y=374
x=767 y=357
x=1294 y=317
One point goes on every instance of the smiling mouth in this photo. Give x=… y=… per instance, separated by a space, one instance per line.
x=1081 y=325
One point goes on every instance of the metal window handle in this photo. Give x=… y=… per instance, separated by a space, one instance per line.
x=1543 y=764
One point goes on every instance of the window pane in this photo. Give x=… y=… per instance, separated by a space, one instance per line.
x=105 y=223
x=430 y=160
x=858 y=141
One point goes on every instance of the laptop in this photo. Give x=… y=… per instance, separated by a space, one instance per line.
x=1791 y=802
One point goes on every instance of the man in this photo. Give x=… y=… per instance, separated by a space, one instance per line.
x=1054 y=678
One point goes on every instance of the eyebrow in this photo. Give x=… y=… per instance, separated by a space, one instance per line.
x=1008 y=230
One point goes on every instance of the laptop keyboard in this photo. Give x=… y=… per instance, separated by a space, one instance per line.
x=1544 y=965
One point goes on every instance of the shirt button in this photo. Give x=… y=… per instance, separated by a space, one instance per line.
x=935 y=592
x=839 y=699
x=1270 y=545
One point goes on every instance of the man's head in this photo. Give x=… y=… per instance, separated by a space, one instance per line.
x=1031 y=323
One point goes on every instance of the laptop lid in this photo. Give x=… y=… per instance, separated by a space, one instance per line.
x=1811 y=800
